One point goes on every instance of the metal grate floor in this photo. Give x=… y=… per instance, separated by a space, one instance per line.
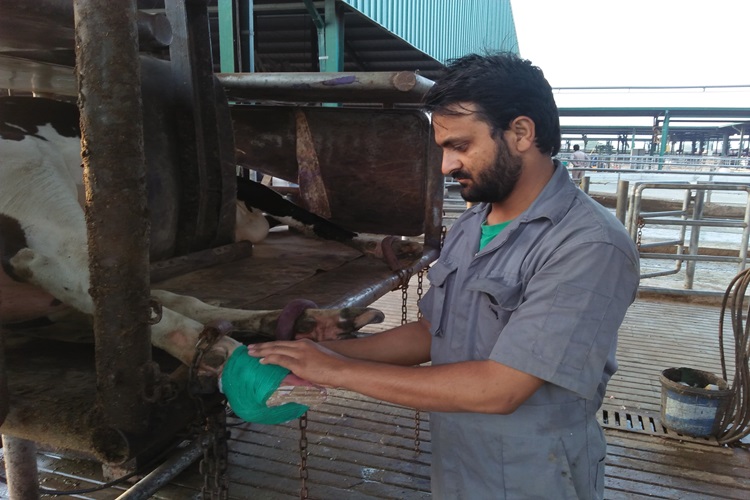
x=644 y=423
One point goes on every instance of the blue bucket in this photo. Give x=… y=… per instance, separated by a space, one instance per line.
x=693 y=402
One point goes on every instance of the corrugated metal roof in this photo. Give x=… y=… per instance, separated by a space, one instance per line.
x=379 y=35
x=444 y=29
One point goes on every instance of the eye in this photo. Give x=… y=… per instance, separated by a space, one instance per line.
x=461 y=147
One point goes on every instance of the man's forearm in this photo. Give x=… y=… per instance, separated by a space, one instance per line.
x=405 y=345
x=471 y=386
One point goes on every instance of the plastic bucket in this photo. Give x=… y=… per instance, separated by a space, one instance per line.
x=693 y=410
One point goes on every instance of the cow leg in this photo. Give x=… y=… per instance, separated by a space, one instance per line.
x=318 y=324
x=175 y=333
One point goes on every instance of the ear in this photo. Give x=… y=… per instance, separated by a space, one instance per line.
x=522 y=133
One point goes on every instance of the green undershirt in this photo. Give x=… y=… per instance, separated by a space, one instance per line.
x=489 y=232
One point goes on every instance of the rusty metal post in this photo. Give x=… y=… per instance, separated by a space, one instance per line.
x=108 y=73
x=20 y=468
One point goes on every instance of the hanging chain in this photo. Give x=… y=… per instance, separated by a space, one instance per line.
x=214 y=434
x=404 y=305
x=420 y=290
x=213 y=465
x=303 y=473
x=417 y=416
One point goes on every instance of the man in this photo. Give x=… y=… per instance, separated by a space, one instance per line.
x=578 y=159
x=521 y=319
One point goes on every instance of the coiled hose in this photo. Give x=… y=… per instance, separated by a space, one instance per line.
x=736 y=421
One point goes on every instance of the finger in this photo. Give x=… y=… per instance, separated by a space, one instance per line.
x=280 y=360
x=258 y=350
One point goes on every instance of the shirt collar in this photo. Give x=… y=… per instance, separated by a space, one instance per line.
x=552 y=203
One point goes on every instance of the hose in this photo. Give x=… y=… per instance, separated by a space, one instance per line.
x=736 y=420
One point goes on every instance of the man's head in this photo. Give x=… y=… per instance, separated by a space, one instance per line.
x=479 y=103
x=576 y=147
x=502 y=87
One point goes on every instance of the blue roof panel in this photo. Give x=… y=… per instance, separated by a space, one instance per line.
x=445 y=29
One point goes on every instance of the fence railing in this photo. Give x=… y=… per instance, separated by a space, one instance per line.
x=667 y=162
x=692 y=216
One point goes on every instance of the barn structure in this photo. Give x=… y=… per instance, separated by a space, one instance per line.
x=321 y=94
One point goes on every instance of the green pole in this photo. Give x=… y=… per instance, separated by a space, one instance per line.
x=320 y=26
x=226 y=36
x=334 y=38
x=664 y=139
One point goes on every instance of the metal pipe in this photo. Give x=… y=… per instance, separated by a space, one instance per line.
x=251 y=35
x=388 y=284
x=622 y=200
x=585 y=183
x=21 y=471
x=658 y=244
x=693 y=223
x=745 y=236
x=154 y=30
x=320 y=27
x=391 y=87
x=700 y=196
x=108 y=73
x=693 y=258
x=163 y=474
x=664 y=139
x=226 y=36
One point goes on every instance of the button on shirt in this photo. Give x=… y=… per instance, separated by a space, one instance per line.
x=546 y=297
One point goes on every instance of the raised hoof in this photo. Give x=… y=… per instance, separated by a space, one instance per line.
x=360 y=317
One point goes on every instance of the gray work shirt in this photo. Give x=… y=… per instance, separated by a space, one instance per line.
x=546 y=297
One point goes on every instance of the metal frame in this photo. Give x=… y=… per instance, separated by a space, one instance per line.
x=695 y=192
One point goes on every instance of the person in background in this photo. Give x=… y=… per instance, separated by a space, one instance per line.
x=578 y=159
x=520 y=321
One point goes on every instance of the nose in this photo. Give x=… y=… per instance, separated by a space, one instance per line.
x=450 y=163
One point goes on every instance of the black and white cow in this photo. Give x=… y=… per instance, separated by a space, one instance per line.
x=43 y=244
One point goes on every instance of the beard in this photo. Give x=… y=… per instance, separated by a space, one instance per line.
x=492 y=184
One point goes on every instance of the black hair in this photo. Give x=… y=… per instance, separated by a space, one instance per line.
x=576 y=147
x=503 y=87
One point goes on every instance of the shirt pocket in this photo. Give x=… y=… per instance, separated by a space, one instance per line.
x=497 y=299
x=440 y=274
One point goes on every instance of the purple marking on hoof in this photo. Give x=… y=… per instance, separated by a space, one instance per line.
x=289 y=315
x=386 y=246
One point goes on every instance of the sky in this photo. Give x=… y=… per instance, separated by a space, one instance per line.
x=605 y=43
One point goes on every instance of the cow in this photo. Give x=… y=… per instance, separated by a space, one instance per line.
x=43 y=245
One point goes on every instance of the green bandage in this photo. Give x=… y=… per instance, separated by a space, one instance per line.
x=247 y=384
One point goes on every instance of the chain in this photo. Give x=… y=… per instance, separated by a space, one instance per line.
x=404 y=305
x=417 y=416
x=214 y=435
x=443 y=233
x=213 y=465
x=303 y=473
x=420 y=290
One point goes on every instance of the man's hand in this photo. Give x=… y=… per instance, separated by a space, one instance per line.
x=304 y=358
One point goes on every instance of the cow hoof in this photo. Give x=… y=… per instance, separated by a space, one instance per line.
x=285 y=327
x=358 y=317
